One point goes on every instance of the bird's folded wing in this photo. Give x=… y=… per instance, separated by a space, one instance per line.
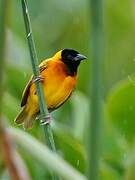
x=42 y=67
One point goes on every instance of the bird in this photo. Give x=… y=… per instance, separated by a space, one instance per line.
x=58 y=76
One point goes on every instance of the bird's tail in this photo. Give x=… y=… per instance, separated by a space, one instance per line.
x=26 y=118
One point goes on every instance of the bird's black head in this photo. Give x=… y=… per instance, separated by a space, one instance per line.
x=72 y=59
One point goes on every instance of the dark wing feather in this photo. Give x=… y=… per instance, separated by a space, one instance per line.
x=42 y=67
x=26 y=92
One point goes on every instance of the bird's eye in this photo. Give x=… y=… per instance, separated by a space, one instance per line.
x=70 y=57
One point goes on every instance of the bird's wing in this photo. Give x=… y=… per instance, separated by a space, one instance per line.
x=42 y=67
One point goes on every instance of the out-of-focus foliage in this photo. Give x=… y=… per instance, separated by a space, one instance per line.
x=121 y=107
x=60 y=24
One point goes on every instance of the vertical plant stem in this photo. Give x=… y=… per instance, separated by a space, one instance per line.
x=96 y=87
x=34 y=62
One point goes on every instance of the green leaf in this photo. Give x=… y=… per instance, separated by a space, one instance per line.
x=108 y=173
x=113 y=147
x=44 y=155
x=121 y=107
x=70 y=147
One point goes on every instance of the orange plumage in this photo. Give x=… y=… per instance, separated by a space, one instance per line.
x=59 y=75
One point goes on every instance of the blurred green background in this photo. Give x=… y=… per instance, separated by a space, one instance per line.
x=65 y=24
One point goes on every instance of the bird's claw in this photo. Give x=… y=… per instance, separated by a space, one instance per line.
x=46 y=120
x=38 y=78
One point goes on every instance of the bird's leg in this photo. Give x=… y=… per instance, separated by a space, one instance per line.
x=46 y=120
x=38 y=78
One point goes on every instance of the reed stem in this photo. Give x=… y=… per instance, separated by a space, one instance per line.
x=96 y=88
x=34 y=61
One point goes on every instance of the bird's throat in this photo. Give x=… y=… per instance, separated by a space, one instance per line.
x=72 y=69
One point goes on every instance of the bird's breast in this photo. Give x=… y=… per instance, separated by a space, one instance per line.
x=58 y=85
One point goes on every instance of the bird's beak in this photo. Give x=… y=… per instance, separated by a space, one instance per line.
x=80 y=57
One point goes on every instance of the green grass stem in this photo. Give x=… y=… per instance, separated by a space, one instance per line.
x=34 y=62
x=96 y=88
